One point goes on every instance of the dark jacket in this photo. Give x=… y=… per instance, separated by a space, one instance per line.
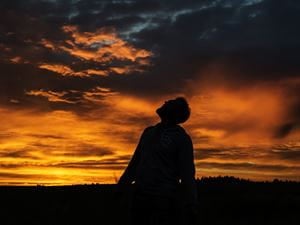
x=162 y=162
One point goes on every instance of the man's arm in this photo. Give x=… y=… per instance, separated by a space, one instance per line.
x=187 y=171
x=129 y=174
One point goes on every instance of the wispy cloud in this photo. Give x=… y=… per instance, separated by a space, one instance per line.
x=103 y=47
x=50 y=95
x=61 y=69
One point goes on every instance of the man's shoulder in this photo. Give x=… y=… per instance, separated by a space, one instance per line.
x=179 y=130
x=149 y=128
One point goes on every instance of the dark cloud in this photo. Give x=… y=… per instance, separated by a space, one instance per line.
x=244 y=41
x=88 y=150
x=249 y=41
x=289 y=152
x=226 y=153
x=6 y=135
x=43 y=136
x=112 y=164
x=248 y=166
x=24 y=154
x=284 y=130
x=11 y=166
x=284 y=152
x=80 y=149
x=253 y=40
x=17 y=176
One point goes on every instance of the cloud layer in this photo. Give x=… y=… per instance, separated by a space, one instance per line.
x=80 y=80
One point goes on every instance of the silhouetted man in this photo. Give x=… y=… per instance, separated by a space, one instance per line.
x=162 y=169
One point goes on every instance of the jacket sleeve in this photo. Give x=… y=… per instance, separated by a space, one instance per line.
x=187 y=171
x=129 y=174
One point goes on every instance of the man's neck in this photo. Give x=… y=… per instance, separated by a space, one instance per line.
x=165 y=123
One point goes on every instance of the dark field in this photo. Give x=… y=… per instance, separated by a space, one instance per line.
x=224 y=201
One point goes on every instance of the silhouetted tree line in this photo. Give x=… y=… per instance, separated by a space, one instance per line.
x=237 y=180
x=200 y=181
x=222 y=200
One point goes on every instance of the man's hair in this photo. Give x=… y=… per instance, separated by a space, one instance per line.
x=183 y=110
x=175 y=110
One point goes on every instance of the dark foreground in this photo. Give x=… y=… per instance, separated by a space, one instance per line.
x=223 y=201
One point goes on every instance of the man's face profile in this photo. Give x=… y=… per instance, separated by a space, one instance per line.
x=174 y=111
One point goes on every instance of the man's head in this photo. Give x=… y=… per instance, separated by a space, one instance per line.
x=174 y=111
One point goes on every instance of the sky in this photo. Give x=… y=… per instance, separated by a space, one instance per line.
x=81 y=80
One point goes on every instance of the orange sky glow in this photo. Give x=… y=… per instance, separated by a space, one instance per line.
x=233 y=128
x=61 y=147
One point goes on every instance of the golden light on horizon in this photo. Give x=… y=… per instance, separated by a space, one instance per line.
x=61 y=147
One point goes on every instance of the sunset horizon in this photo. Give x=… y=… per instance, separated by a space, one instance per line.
x=81 y=80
